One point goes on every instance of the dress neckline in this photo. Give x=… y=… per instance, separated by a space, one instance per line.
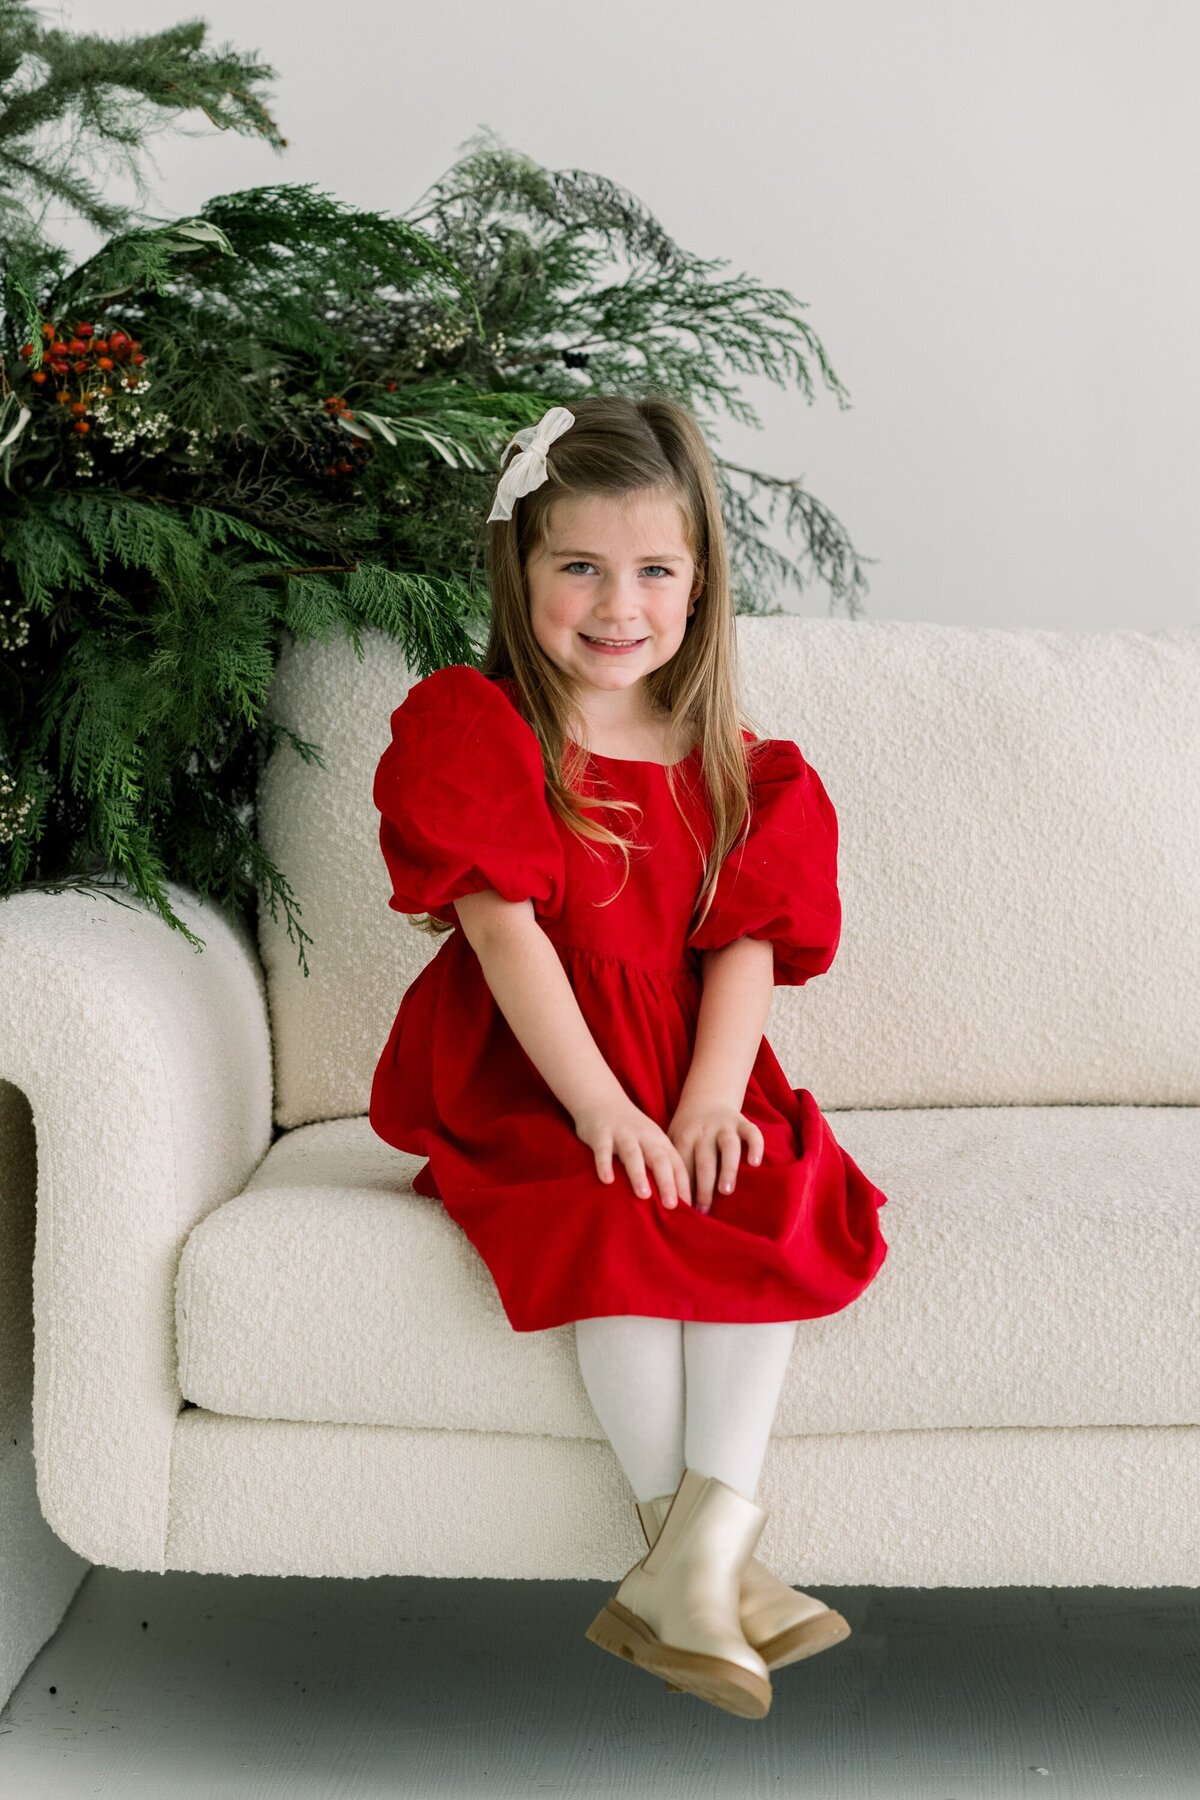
x=638 y=762
x=634 y=762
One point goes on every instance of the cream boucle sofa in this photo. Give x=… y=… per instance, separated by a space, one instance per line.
x=254 y=1349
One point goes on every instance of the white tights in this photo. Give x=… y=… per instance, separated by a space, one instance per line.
x=684 y=1393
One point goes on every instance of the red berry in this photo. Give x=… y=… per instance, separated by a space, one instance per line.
x=391 y=386
x=131 y=381
x=345 y=467
x=329 y=469
x=39 y=375
x=77 y=406
x=77 y=347
x=84 y=330
x=82 y=425
x=80 y=365
x=139 y=358
x=57 y=348
x=104 y=362
x=62 y=396
x=26 y=351
x=100 y=343
x=117 y=338
x=47 y=329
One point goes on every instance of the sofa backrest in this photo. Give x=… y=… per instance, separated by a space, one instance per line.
x=1019 y=864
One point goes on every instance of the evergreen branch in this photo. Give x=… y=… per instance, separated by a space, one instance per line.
x=273 y=731
x=138 y=533
x=271 y=885
x=45 y=556
x=127 y=847
x=169 y=70
x=75 y=190
x=213 y=526
x=490 y=177
x=422 y=614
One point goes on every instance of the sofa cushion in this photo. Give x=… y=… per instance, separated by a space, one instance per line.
x=1044 y=1268
x=1019 y=864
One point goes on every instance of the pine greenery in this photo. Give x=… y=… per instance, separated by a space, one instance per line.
x=283 y=417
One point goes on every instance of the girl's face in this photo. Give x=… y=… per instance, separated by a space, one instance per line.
x=612 y=568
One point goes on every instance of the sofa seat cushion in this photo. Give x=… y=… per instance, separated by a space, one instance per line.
x=1043 y=1271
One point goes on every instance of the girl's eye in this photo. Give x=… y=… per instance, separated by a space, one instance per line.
x=567 y=567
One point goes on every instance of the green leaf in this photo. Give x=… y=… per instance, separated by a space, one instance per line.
x=381 y=425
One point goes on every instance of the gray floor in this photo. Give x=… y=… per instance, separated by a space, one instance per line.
x=190 y=1686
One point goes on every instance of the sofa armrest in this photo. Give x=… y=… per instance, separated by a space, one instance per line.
x=147 y=1065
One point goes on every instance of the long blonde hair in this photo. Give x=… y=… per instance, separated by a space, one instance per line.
x=618 y=446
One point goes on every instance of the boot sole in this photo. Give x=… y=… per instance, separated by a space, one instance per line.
x=712 y=1678
x=804 y=1640
x=797 y=1642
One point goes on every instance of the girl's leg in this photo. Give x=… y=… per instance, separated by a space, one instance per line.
x=734 y=1375
x=632 y=1368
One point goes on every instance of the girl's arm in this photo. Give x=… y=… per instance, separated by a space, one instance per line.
x=530 y=986
x=739 y=980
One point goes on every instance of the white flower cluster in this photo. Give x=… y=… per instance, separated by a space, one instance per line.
x=194 y=433
x=11 y=817
x=440 y=337
x=123 y=427
x=14 y=628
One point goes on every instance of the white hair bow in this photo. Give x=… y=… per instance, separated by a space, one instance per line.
x=528 y=470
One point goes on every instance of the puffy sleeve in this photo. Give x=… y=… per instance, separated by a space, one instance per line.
x=781 y=883
x=461 y=793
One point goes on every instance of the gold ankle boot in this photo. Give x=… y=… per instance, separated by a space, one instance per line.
x=783 y=1624
x=676 y=1613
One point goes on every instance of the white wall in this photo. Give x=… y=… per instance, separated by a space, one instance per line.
x=989 y=207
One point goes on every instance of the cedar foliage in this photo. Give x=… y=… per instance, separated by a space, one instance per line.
x=297 y=434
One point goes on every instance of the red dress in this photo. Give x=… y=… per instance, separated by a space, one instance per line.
x=461 y=793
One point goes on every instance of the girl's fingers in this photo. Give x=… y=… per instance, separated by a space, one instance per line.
x=730 y=1158
x=672 y=1174
x=755 y=1144
x=664 y=1174
x=706 y=1175
x=629 y=1151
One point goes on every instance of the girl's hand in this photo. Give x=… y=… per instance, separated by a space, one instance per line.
x=703 y=1131
x=618 y=1127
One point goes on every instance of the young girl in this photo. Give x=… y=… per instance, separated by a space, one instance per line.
x=582 y=1062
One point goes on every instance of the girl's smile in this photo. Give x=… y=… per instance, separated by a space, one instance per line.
x=605 y=647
